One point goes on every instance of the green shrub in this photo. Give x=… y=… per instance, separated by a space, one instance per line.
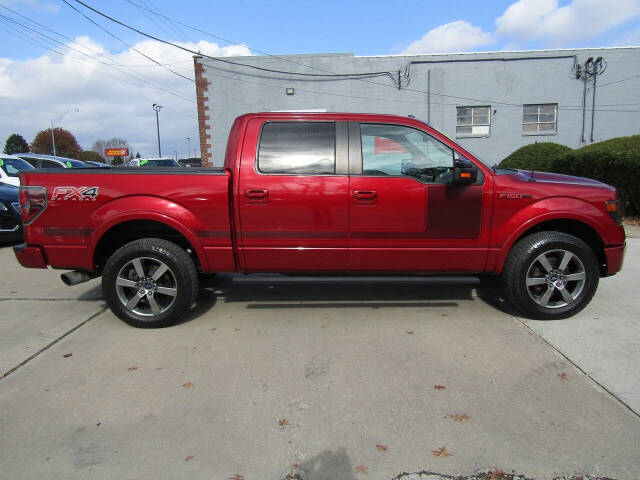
x=615 y=162
x=536 y=156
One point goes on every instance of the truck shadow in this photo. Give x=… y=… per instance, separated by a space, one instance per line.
x=348 y=295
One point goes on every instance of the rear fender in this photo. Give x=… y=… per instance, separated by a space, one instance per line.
x=144 y=207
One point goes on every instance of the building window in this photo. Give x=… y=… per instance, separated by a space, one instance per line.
x=540 y=119
x=473 y=121
x=298 y=148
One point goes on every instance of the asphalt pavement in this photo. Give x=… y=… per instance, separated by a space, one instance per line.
x=313 y=382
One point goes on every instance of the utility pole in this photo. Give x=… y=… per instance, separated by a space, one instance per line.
x=157 y=108
x=53 y=140
x=189 y=140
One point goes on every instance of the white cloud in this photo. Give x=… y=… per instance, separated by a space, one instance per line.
x=556 y=25
x=35 y=91
x=456 y=36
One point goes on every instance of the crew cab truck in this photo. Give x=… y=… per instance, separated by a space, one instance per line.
x=323 y=194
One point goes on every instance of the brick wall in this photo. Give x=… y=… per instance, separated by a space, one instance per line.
x=204 y=121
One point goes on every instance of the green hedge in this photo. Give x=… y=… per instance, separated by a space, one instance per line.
x=615 y=162
x=536 y=156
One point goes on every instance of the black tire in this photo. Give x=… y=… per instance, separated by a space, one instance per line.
x=544 y=293
x=165 y=298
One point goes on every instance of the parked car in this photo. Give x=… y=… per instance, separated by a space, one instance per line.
x=153 y=162
x=10 y=221
x=91 y=163
x=39 y=160
x=10 y=167
x=324 y=193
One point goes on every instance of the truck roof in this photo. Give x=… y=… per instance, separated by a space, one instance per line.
x=331 y=116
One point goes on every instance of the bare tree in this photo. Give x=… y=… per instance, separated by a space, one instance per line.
x=99 y=147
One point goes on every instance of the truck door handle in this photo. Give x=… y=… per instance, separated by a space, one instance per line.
x=256 y=195
x=367 y=197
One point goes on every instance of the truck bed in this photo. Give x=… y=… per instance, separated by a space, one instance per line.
x=84 y=204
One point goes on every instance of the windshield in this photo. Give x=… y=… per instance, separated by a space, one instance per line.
x=12 y=166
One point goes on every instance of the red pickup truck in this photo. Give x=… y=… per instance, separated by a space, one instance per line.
x=324 y=194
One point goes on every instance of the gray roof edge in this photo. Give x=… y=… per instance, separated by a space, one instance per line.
x=499 y=52
x=260 y=57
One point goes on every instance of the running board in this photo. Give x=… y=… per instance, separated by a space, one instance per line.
x=355 y=279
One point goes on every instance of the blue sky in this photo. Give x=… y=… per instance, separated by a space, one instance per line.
x=372 y=27
x=40 y=82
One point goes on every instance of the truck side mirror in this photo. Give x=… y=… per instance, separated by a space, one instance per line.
x=464 y=172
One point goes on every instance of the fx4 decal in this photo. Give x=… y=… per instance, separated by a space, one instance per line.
x=77 y=194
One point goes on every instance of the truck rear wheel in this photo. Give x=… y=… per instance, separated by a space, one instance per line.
x=550 y=275
x=150 y=283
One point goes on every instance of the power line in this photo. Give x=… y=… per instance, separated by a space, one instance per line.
x=156 y=12
x=231 y=42
x=89 y=58
x=193 y=52
x=619 y=81
x=125 y=43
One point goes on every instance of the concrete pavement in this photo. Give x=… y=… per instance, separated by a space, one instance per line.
x=343 y=382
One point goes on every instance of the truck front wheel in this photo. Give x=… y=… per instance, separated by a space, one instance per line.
x=550 y=275
x=150 y=283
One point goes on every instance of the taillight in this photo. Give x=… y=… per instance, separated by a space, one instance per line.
x=614 y=210
x=33 y=201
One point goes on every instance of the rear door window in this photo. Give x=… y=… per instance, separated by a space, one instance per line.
x=298 y=148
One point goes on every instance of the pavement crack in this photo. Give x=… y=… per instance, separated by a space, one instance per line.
x=45 y=348
x=586 y=374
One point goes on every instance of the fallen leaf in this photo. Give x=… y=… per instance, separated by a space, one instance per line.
x=213 y=329
x=283 y=422
x=67 y=355
x=382 y=448
x=410 y=332
x=444 y=314
x=497 y=474
x=362 y=469
x=189 y=458
x=132 y=368
x=439 y=387
x=441 y=452
x=563 y=376
x=188 y=385
x=457 y=417
x=236 y=476
x=237 y=329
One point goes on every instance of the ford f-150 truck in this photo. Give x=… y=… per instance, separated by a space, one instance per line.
x=323 y=194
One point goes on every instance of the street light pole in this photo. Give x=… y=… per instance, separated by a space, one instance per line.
x=157 y=108
x=53 y=140
x=189 y=140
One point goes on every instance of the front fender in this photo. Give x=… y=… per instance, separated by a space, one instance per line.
x=146 y=207
x=556 y=208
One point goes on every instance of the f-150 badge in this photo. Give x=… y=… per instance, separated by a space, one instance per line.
x=76 y=194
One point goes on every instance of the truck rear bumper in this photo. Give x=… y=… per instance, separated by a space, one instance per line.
x=29 y=256
x=615 y=257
